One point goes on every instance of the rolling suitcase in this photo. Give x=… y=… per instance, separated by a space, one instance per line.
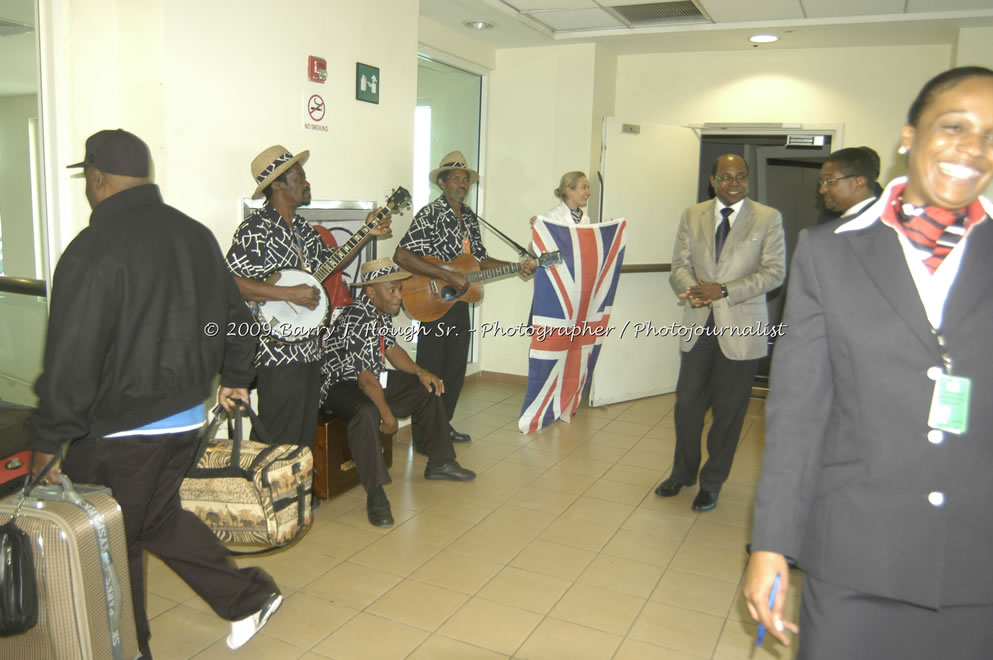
x=81 y=567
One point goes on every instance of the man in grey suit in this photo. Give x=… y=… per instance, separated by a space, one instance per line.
x=729 y=252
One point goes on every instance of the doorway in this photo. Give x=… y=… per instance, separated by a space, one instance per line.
x=782 y=176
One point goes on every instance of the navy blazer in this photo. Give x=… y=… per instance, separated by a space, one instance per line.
x=849 y=464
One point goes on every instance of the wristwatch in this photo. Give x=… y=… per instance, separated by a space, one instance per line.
x=724 y=290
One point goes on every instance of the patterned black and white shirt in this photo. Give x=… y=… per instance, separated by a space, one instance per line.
x=263 y=244
x=358 y=342
x=436 y=232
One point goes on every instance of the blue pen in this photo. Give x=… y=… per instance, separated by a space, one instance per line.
x=772 y=601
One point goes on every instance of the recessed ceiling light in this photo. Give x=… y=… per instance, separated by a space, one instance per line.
x=763 y=38
x=478 y=25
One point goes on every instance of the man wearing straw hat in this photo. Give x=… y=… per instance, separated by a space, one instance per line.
x=271 y=239
x=358 y=386
x=446 y=229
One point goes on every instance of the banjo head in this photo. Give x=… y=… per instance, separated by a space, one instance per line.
x=287 y=322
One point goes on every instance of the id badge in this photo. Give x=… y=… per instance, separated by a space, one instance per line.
x=382 y=378
x=950 y=404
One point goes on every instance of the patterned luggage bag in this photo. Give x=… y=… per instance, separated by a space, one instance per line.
x=249 y=492
x=81 y=567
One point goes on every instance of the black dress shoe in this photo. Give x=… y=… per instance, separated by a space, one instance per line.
x=450 y=471
x=377 y=507
x=458 y=437
x=669 y=488
x=705 y=500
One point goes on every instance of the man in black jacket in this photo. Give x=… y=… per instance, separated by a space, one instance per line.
x=141 y=304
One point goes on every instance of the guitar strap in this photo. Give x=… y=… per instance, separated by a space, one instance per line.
x=299 y=246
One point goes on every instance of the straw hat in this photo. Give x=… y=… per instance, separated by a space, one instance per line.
x=272 y=162
x=380 y=270
x=453 y=161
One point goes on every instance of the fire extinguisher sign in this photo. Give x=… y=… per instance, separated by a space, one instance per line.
x=367 y=83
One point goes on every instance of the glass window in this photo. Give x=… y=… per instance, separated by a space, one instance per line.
x=446 y=119
x=23 y=316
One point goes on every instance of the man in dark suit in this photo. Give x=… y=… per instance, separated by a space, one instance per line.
x=729 y=252
x=848 y=181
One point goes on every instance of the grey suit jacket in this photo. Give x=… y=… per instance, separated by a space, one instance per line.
x=753 y=262
x=851 y=475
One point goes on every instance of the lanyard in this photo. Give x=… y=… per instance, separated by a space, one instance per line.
x=946 y=359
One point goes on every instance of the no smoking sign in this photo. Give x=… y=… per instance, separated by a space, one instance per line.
x=314 y=112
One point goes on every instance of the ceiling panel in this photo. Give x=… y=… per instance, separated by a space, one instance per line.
x=920 y=6
x=835 y=8
x=579 y=19
x=732 y=28
x=736 y=11
x=528 y=5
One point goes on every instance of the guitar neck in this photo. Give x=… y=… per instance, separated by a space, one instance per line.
x=490 y=273
x=340 y=254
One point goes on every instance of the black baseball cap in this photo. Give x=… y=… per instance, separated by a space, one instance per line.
x=117 y=152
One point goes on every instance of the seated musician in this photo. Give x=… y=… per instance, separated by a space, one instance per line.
x=272 y=239
x=446 y=229
x=358 y=386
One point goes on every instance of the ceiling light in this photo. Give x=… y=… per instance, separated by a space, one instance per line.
x=763 y=38
x=478 y=25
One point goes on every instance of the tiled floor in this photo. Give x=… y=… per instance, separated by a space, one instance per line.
x=558 y=550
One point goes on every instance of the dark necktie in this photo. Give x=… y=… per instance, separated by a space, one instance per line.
x=723 y=230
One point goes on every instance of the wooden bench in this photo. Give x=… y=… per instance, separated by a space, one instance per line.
x=334 y=469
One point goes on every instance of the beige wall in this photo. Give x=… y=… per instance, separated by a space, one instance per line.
x=210 y=84
x=540 y=110
x=866 y=89
x=546 y=106
x=975 y=47
x=455 y=44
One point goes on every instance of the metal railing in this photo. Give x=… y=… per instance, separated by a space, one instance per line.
x=646 y=268
x=23 y=286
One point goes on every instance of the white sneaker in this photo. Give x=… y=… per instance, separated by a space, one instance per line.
x=245 y=629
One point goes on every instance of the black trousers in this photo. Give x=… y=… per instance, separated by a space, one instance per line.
x=442 y=349
x=836 y=622
x=289 y=401
x=707 y=379
x=406 y=397
x=144 y=474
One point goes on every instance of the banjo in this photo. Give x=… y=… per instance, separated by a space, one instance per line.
x=291 y=323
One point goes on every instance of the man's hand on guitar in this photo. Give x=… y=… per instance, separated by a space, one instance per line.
x=528 y=266
x=457 y=280
x=382 y=227
x=302 y=294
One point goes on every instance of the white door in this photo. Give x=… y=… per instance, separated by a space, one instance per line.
x=649 y=177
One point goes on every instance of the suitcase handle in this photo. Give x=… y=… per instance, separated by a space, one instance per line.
x=210 y=430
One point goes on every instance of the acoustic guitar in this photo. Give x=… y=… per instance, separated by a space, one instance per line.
x=291 y=323
x=428 y=298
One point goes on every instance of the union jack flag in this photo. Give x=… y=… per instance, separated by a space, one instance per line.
x=572 y=304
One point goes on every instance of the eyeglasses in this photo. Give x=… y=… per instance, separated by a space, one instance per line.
x=831 y=182
x=727 y=178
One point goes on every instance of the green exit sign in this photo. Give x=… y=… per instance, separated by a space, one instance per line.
x=367 y=83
